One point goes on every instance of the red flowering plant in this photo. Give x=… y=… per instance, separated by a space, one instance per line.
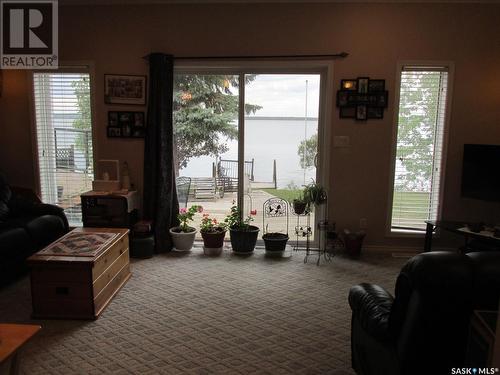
x=211 y=225
x=235 y=219
x=187 y=215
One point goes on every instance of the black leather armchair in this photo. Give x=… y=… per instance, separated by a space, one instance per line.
x=424 y=327
x=26 y=226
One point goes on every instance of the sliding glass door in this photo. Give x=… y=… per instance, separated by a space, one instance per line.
x=206 y=109
x=243 y=137
x=281 y=144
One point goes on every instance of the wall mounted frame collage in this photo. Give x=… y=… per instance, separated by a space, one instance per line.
x=362 y=98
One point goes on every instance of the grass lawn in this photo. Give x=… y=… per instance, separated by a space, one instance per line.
x=410 y=207
x=285 y=194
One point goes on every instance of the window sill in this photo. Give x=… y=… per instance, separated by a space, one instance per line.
x=406 y=233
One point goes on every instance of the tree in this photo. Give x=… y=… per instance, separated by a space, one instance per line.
x=83 y=122
x=310 y=146
x=418 y=109
x=205 y=111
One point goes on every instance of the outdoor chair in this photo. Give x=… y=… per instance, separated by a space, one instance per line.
x=183 y=186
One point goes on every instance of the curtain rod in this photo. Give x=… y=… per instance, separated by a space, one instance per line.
x=340 y=55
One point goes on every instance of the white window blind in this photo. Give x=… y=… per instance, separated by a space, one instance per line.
x=64 y=139
x=419 y=146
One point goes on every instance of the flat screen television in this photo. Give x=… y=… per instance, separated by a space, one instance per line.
x=481 y=172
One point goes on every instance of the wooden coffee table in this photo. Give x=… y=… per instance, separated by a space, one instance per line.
x=12 y=339
x=79 y=286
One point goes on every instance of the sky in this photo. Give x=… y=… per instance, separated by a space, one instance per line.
x=284 y=95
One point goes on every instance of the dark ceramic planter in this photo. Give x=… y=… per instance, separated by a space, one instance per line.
x=275 y=241
x=213 y=240
x=243 y=241
x=353 y=243
x=299 y=207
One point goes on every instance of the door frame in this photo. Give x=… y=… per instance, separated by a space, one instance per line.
x=323 y=67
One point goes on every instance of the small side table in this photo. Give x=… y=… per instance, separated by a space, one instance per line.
x=110 y=210
x=12 y=339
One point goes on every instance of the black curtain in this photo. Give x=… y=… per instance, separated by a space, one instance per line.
x=160 y=196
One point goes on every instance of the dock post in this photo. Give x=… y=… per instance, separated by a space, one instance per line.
x=274 y=174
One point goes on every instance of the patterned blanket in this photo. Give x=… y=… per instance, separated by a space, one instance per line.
x=80 y=244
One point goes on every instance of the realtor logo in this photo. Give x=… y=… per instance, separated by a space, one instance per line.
x=28 y=37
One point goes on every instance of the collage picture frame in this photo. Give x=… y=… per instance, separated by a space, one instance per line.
x=362 y=98
x=126 y=124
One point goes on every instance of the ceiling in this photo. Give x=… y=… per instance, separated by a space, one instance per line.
x=148 y=2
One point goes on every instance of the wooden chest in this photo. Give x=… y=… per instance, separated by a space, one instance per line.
x=79 y=287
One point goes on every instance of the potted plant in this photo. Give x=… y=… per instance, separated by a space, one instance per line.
x=275 y=243
x=314 y=194
x=299 y=204
x=243 y=235
x=213 y=233
x=353 y=242
x=183 y=235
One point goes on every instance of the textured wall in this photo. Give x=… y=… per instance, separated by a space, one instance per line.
x=377 y=36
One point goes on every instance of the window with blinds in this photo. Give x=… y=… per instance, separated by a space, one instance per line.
x=64 y=139
x=419 y=146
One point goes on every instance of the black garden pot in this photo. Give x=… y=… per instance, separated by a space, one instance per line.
x=213 y=239
x=299 y=207
x=275 y=242
x=243 y=240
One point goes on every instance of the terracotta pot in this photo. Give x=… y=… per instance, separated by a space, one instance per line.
x=183 y=241
x=243 y=241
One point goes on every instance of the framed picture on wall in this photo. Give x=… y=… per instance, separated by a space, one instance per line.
x=347 y=112
x=361 y=112
x=125 y=124
x=342 y=98
x=362 y=98
x=124 y=89
x=382 y=99
x=376 y=85
x=375 y=113
x=114 y=132
x=363 y=85
x=348 y=84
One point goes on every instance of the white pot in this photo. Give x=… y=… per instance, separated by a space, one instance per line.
x=182 y=241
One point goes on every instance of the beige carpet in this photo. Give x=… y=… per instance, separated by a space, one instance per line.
x=190 y=314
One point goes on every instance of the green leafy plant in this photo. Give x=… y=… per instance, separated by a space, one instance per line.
x=299 y=202
x=235 y=221
x=314 y=194
x=211 y=225
x=186 y=215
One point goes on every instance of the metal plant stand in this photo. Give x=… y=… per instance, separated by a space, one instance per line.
x=303 y=230
x=328 y=240
x=272 y=209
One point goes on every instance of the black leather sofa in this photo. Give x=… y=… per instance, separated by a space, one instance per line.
x=424 y=328
x=26 y=226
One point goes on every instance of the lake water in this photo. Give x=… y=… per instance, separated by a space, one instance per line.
x=266 y=140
